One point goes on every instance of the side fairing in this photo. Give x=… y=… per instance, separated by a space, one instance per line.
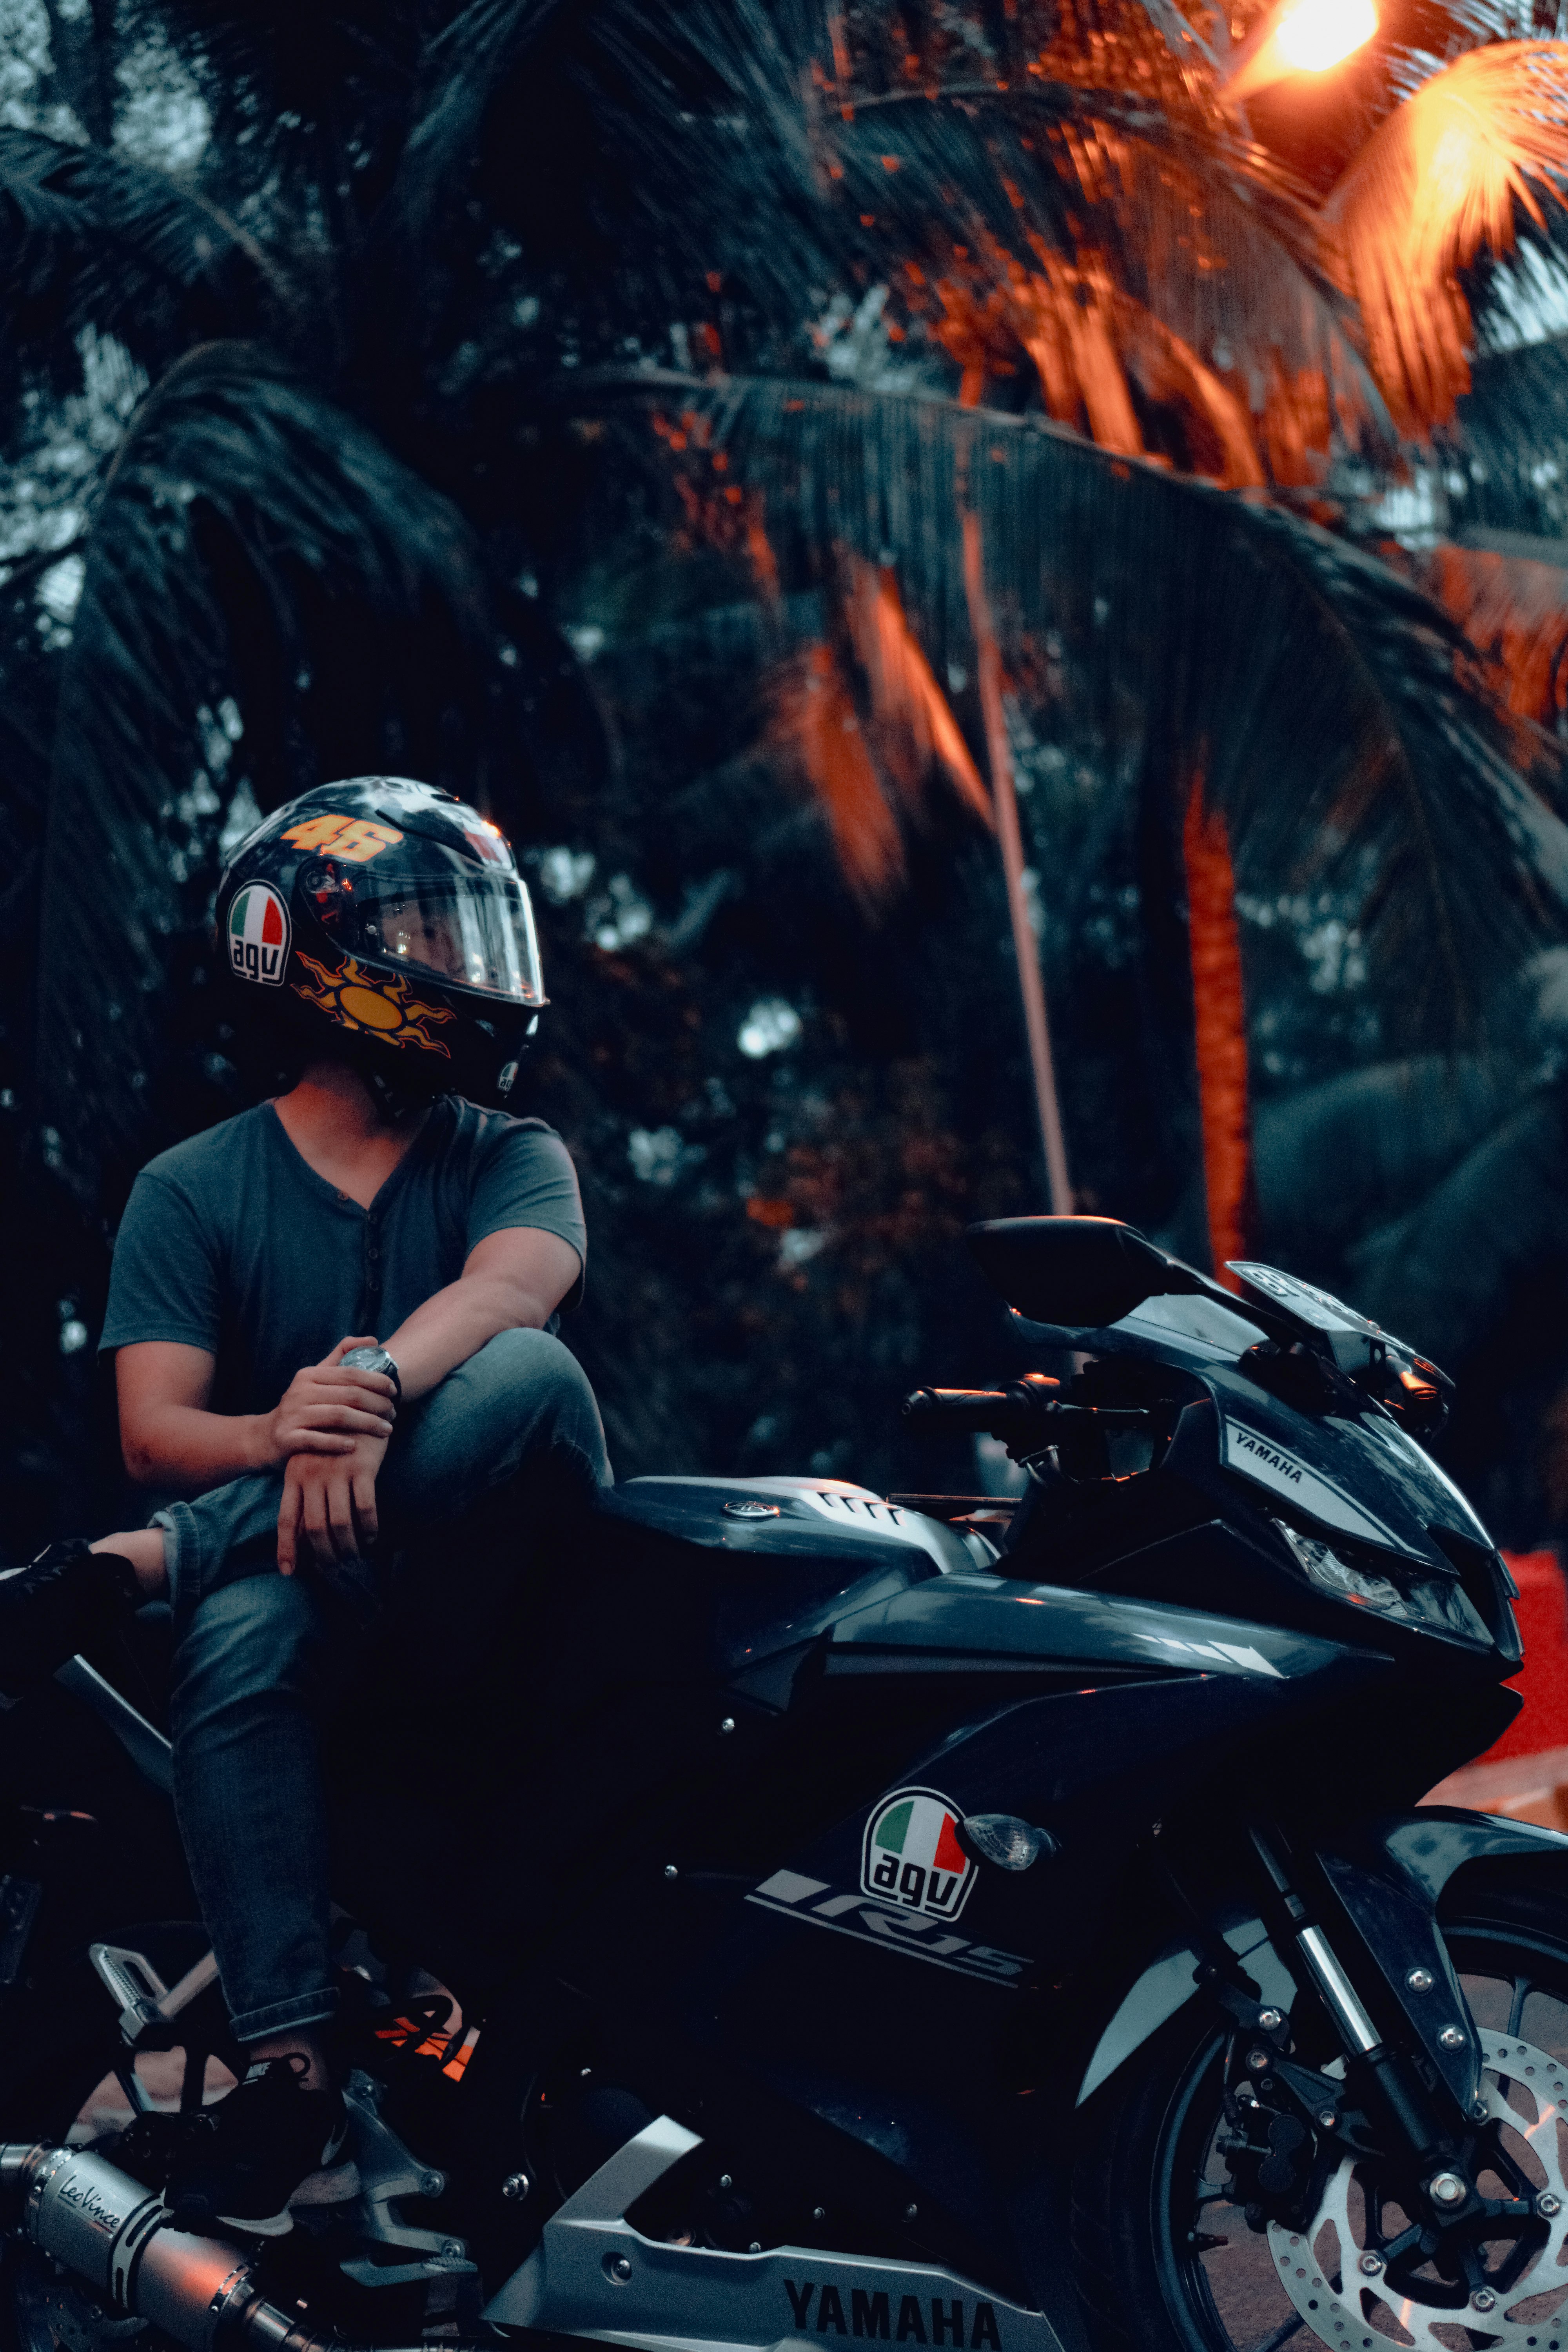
x=954 y=1622
x=898 y=1980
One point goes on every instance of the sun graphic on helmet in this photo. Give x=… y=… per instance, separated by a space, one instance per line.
x=360 y=997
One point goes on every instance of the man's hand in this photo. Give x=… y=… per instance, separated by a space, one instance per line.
x=327 y=1510
x=328 y=1409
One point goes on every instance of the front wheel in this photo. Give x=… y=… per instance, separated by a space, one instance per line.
x=1166 y=2259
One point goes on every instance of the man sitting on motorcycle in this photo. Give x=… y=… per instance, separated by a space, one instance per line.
x=380 y=930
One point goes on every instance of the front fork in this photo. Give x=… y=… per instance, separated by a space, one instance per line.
x=1419 y=2112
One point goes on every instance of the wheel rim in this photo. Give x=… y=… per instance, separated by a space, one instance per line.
x=1346 y=2276
x=1230 y=2296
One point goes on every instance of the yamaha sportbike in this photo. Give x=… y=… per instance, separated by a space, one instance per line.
x=915 y=1921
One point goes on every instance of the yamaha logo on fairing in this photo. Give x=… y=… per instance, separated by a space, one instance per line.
x=967 y=2327
x=1268 y=1457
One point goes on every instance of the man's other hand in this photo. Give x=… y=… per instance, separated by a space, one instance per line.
x=328 y=1511
x=328 y=1407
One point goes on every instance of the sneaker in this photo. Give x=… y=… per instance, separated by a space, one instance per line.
x=67 y=1598
x=270 y=2144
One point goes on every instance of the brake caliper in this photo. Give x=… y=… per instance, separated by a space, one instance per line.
x=1285 y=2122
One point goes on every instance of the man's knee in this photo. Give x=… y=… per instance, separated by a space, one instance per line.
x=536 y=1372
x=256 y=1637
x=521 y=1397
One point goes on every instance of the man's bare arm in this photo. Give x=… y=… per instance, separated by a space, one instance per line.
x=513 y=1281
x=169 y=1437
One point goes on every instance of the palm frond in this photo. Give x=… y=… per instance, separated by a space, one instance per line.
x=97 y=239
x=867 y=729
x=1163 y=630
x=1513 y=608
x=816 y=723
x=275 y=77
x=1192 y=203
x=1507 y=451
x=629 y=103
x=754 y=160
x=1088 y=231
x=253 y=542
x=1445 y=1272
x=915 y=730
x=1432 y=188
x=1336 y=1161
x=865 y=53
x=461 y=71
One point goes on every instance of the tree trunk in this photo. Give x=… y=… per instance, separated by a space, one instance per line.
x=1026 y=945
x=1219 y=1027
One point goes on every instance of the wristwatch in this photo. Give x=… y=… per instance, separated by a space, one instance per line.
x=374 y=1359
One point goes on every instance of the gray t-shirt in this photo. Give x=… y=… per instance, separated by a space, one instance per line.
x=231 y=1243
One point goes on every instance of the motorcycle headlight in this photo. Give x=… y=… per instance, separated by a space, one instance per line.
x=1406 y=1595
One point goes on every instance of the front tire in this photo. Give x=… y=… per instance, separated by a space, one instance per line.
x=1165 y=2263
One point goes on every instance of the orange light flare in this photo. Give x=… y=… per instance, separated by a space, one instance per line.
x=1308 y=37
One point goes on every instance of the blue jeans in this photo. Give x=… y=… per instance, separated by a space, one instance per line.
x=257 y=1653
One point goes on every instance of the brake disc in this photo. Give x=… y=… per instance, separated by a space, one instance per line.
x=1337 y=2289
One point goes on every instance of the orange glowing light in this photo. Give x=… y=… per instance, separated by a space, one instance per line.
x=1317 y=33
x=1308 y=37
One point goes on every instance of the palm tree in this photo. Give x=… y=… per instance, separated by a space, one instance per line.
x=991 y=344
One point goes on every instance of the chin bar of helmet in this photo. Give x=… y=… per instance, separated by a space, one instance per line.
x=118 y=2238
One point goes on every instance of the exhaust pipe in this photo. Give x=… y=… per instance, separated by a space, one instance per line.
x=118 y=2237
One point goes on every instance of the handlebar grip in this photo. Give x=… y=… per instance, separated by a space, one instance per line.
x=960 y=1408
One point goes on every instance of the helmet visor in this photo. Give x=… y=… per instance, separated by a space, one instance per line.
x=472 y=931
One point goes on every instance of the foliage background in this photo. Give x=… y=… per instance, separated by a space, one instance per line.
x=433 y=480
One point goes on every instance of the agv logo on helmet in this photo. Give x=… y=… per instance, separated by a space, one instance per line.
x=258 y=930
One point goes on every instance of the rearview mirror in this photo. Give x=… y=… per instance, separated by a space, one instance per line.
x=1079 y=1271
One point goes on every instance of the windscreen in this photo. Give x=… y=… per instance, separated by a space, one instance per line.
x=470 y=930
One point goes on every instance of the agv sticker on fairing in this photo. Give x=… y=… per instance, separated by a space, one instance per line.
x=917 y=1933
x=912 y=1855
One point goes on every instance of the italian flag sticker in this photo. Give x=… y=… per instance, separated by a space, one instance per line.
x=912 y=1856
x=259 y=934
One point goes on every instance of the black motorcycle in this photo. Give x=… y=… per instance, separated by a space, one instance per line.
x=929 y=1921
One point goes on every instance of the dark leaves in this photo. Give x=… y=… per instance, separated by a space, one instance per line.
x=1508 y=456
x=94 y=239
x=251 y=538
x=1172 y=631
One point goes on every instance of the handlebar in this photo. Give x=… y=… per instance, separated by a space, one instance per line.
x=959 y=1408
x=1003 y=1412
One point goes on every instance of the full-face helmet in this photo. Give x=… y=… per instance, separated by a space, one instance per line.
x=393 y=916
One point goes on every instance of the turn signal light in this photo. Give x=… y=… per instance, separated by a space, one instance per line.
x=1002 y=1838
